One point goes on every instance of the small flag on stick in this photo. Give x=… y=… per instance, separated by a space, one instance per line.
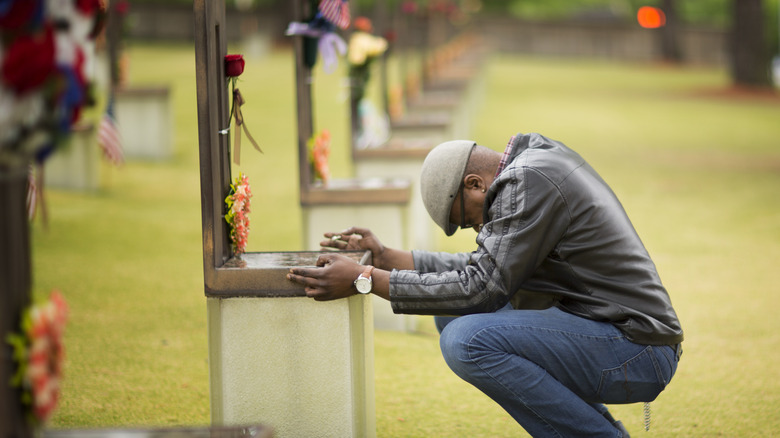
x=35 y=198
x=108 y=135
x=32 y=193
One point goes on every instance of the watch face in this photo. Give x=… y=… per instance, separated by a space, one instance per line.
x=363 y=285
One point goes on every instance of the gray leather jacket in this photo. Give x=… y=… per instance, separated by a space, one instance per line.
x=554 y=234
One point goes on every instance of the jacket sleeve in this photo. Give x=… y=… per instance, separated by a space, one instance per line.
x=426 y=262
x=526 y=218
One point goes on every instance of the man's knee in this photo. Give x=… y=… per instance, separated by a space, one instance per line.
x=454 y=343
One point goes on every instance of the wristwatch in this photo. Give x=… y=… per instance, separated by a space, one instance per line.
x=363 y=282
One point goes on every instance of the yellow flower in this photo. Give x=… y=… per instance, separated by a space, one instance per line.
x=363 y=46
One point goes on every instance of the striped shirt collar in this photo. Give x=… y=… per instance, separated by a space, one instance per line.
x=505 y=156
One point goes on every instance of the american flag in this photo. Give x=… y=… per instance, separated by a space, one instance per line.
x=336 y=11
x=108 y=135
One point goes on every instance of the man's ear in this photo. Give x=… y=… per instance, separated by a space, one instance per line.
x=474 y=182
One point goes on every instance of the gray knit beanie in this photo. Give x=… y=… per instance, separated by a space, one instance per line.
x=440 y=178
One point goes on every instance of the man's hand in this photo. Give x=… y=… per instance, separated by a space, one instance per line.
x=333 y=278
x=355 y=239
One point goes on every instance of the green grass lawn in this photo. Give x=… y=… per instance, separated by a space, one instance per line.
x=698 y=172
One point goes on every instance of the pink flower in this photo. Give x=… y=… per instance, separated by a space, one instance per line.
x=46 y=354
x=238 y=213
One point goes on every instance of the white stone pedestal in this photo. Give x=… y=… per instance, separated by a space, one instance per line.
x=144 y=116
x=301 y=366
x=77 y=165
x=420 y=228
x=388 y=222
x=365 y=207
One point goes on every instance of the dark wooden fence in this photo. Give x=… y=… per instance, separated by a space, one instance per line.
x=611 y=39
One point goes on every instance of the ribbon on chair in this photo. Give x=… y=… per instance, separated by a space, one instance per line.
x=330 y=47
x=238 y=100
x=329 y=44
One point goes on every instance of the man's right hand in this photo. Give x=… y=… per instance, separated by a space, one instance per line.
x=354 y=239
x=358 y=238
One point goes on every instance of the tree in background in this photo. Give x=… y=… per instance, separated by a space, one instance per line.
x=670 y=45
x=749 y=54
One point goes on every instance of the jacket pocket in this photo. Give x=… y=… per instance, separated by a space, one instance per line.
x=639 y=379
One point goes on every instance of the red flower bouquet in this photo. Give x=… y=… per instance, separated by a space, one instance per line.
x=238 y=204
x=45 y=48
x=29 y=61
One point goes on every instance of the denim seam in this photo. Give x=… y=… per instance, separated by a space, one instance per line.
x=568 y=333
x=659 y=375
x=670 y=362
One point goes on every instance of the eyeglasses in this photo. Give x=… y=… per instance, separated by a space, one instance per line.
x=461 y=189
x=463 y=224
x=463 y=209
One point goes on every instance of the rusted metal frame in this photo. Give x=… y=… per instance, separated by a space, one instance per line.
x=15 y=285
x=397 y=193
x=210 y=48
x=394 y=192
x=266 y=274
x=382 y=24
x=305 y=118
x=113 y=32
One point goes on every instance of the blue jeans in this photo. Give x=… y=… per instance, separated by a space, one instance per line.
x=551 y=370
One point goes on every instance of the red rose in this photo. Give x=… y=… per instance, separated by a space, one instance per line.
x=234 y=65
x=29 y=61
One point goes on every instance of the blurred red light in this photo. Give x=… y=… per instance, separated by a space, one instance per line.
x=650 y=17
